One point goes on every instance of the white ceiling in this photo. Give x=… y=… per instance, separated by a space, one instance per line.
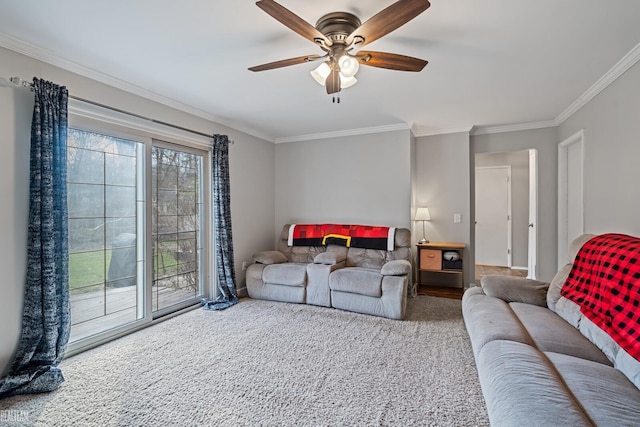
x=492 y=62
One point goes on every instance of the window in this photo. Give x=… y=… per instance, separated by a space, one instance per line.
x=138 y=241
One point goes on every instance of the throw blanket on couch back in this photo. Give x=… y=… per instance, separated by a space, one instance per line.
x=605 y=283
x=357 y=236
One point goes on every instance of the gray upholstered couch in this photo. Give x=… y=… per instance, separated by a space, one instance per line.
x=541 y=362
x=369 y=281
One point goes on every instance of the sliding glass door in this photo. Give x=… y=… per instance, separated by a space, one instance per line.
x=177 y=225
x=136 y=231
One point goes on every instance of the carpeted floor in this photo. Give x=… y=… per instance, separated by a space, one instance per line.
x=269 y=363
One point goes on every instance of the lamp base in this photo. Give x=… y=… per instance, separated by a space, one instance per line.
x=423 y=241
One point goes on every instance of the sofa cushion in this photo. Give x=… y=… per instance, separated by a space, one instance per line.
x=628 y=366
x=398 y=267
x=607 y=396
x=269 y=257
x=288 y=274
x=550 y=333
x=515 y=289
x=521 y=387
x=330 y=258
x=553 y=294
x=489 y=319
x=357 y=280
x=366 y=258
x=301 y=254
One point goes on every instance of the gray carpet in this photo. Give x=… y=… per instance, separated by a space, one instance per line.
x=268 y=363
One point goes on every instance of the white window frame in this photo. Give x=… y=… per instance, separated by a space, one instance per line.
x=93 y=118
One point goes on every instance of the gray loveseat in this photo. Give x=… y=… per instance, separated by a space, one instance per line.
x=369 y=281
x=542 y=362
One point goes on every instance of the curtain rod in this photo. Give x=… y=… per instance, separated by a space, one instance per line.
x=26 y=84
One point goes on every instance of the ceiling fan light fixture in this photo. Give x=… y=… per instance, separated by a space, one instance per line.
x=349 y=65
x=346 y=82
x=339 y=33
x=321 y=73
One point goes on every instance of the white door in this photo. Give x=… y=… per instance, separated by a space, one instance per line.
x=493 y=216
x=570 y=193
x=532 y=266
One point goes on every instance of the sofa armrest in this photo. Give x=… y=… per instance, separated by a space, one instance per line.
x=398 y=267
x=269 y=257
x=515 y=289
x=329 y=258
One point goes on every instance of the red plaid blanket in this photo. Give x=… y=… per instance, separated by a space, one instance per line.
x=358 y=236
x=605 y=283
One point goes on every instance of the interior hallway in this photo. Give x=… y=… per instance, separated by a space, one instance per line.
x=483 y=270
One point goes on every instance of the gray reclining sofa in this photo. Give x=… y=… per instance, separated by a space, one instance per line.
x=541 y=362
x=369 y=281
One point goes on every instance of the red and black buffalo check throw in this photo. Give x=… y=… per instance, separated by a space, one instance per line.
x=605 y=283
x=358 y=236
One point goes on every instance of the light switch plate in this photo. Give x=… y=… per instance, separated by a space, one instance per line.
x=456 y=218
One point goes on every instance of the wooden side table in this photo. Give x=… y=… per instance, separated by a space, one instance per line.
x=438 y=276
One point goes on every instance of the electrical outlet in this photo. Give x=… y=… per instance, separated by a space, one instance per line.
x=456 y=218
x=244 y=265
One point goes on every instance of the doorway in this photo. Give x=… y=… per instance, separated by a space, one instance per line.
x=570 y=193
x=520 y=220
x=493 y=216
x=137 y=215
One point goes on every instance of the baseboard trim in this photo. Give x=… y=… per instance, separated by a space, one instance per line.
x=519 y=268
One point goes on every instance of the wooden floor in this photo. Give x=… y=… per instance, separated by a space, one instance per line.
x=99 y=311
x=484 y=270
x=440 y=291
x=481 y=271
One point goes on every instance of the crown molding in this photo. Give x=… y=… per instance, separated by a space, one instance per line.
x=486 y=130
x=418 y=132
x=343 y=133
x=54 y=59
x=609 y=77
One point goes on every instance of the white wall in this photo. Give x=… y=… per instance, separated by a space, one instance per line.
x=363 y=179
x=611 y=123
x=443 y=184
x=519 y=162
x=252 y=166
x=15 y=127
x=546 y=142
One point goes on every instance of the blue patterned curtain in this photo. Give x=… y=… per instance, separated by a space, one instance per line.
x=46 y=317
x=222 y=223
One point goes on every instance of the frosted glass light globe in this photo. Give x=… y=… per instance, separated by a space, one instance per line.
x=321 y=73
x=349 y=65
x=346 y=82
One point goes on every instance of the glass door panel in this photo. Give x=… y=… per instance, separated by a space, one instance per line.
x=103 y=184
x=177 y=219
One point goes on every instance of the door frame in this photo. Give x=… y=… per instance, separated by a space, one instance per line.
x=532 y=244
x=100 y=119
x=509 y=211
x=563 y=193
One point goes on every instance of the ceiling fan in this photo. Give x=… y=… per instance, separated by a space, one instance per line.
x=340 y=34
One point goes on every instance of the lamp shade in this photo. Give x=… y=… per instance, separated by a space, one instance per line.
x=422 y=214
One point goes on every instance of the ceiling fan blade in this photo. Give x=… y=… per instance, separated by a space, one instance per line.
x=285 y=63
x=391 y=61
x=333 y=81
x=293 y=21
x=388 y=20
